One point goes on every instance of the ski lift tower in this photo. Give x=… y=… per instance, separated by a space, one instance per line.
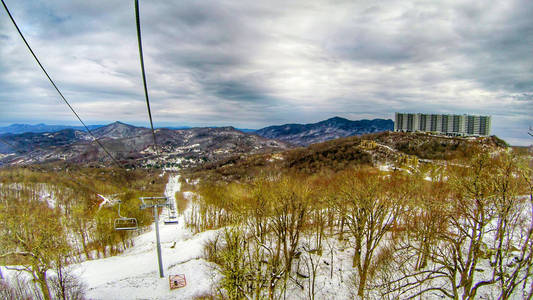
x=155 y=203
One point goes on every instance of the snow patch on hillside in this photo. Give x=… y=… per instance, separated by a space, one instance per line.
x=134 y=274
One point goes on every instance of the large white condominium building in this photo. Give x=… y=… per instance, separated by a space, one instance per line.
x=447 y=124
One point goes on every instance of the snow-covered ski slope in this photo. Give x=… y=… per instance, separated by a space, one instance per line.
x=134 y=274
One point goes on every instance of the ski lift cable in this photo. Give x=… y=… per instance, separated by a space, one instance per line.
x=7 y=143
x=56 y=88
x=71 y=179
x=120 y=224
x=76 y=114
x=10 y=145
x=138 y=23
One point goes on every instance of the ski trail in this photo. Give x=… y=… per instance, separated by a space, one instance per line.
x=135 y=275
x=173 y=186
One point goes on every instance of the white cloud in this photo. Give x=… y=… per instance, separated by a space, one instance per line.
x=253 y=64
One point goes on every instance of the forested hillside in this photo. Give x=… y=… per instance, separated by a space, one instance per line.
x=385 y=148
x=458 y=230
x=381 y=216
x=51 y=217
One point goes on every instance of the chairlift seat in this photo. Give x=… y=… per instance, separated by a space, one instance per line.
x=172 y=219
x=126 y=224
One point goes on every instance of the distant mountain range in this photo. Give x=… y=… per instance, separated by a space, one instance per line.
x=179 y=148
x=133 y=146
x=306 y=134
x=41 y=127
x=23 y=128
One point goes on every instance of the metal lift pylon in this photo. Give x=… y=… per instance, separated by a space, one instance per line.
x=155 y=203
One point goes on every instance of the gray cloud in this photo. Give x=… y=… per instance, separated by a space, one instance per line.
x=253 y=64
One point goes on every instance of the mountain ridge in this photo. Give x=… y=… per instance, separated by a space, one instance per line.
x=375 y=149
x=133 y=146
x=332 y=128
x=18 y=128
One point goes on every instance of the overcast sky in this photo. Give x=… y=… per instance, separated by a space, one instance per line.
x=251 y=64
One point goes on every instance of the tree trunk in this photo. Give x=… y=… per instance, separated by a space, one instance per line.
x=362 y=284
x=341 y=236
x=61 y=282
x=41 y=278
x=84 y=244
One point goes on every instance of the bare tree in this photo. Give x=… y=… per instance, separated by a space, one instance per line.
x=290 y=202
x=482 y=234
x=32 y=236
x=372 y=205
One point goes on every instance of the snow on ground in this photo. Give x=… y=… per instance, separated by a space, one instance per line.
x=385 y=167
x=173 y=186
x=50 y=199
x=135 y=273
x=106 y=201
x=6 y=155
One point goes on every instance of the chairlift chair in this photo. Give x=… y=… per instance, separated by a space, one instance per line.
x=171 y=219
x=123 y=223
x=172 y=215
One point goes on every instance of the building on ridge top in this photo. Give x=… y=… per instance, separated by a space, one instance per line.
x=449 y=124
